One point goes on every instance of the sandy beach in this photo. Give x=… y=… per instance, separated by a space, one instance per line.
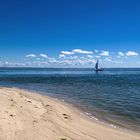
x=31 y=116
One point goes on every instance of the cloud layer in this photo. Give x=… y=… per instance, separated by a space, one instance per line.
x=75 y=58
x=131 y=53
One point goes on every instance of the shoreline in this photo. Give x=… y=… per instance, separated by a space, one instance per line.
x=96 y=118
x=111 y=122
x=22 y=111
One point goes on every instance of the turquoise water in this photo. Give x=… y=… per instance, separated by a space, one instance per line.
x=111 y=96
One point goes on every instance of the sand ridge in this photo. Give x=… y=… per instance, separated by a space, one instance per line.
x=31 y=116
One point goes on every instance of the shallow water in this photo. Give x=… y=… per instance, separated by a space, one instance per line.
x=112 y=95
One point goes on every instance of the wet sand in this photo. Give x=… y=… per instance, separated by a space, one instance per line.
x=30 y=116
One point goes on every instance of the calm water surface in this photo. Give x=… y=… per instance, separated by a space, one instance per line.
x=112 y=96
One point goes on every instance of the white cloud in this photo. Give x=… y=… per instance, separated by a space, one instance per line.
x=97 y=56
x=36 y=64
x=76 y=60
x=52 y=60
x=79 y=62
x=118 y=62
x=108 y=59
x=74 y=51
x=6 y=62
x=96 y=51
x=91 y=61
x=90 y=56
x=72 y=57
x=31 y=55
x=67 y=52
x=66 y=62
x=120 y=54
x=131 y=53
x=44 y=55
x=104 y=53
x=62 y=56
x=81 y=51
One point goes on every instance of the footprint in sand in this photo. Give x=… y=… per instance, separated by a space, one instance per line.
x=6 y=111
x=11 y=115
x=29 y=101
x=48 y=107
x=13 y=102
x=36 y=106
x=35 y=121
x=66 y=116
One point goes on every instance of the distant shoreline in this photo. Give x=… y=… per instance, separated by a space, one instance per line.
x=67 y=67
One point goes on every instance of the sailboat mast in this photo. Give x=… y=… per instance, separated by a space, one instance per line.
x=96 y=66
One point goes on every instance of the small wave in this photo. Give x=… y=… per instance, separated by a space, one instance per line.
x=114 y=126
x=90 y=115
x=94 y=118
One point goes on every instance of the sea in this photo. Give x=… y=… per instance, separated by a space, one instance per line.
x=111 y=96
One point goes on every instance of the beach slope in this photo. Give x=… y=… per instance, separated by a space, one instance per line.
x=31 y=116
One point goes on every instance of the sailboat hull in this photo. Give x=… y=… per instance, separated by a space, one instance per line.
x=99 y=70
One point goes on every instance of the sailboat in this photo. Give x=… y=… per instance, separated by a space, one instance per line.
x=97 y=67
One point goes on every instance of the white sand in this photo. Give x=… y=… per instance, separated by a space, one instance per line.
x=30 y=116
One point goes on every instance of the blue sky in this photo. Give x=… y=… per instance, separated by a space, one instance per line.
x=70 y=33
